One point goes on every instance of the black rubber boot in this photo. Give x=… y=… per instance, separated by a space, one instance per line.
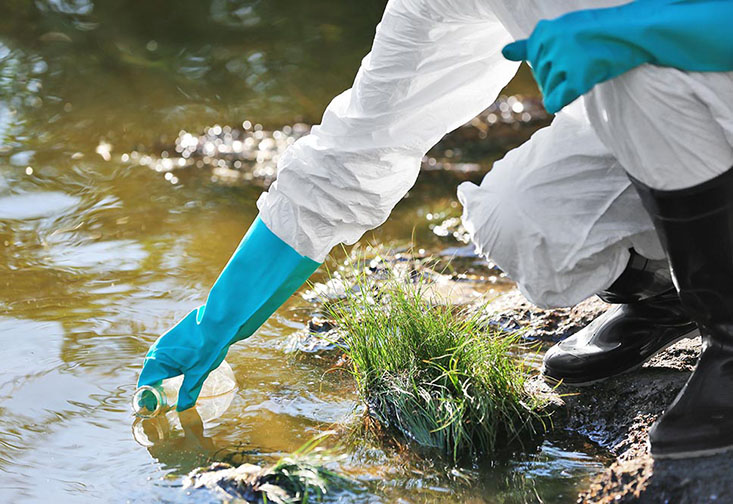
x=647 y=319
x=695 y=226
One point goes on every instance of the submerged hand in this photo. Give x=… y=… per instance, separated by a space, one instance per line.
x=568 y=57
x=183 y=351
x=261 y=275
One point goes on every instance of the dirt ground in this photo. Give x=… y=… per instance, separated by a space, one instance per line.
x=617 y=415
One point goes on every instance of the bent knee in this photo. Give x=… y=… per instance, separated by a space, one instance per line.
x=496 y=225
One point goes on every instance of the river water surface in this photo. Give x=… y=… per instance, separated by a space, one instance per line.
x=99 y=254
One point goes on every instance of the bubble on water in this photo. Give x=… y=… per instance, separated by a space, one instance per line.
x=104 y=149
x=40 y=67
x=34 y=86
x=29 y=170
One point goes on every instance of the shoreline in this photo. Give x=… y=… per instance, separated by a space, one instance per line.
x=616 y=414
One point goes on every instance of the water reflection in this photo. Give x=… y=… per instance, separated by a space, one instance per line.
x=35 y=205
x=70 y=67
x=179 y=444
x=21 y=341
x=122 y=255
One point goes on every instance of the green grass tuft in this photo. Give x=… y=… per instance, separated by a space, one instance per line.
x=302 y=476
x=432 y=373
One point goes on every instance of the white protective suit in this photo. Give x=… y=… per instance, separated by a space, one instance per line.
x=557 y=214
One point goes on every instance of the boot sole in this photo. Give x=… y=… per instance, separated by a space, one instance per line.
x=554 y=381
x=691 y=454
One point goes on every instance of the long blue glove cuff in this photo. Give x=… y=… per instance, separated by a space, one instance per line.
x=571 y=54
x=261 y=275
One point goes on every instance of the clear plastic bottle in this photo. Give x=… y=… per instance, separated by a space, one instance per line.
x=214 y=399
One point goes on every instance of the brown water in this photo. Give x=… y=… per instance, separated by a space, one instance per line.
x=98 y=257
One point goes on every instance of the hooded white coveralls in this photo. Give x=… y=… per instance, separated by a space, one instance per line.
x=557 y=214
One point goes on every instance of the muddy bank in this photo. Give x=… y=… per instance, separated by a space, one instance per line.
x=511 y=312
x=615 y=414
x=618 y=413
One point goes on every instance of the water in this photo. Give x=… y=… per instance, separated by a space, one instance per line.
x=99 y=256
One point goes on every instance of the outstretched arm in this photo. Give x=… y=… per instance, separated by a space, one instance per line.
x=434 y=65
x=571 y=54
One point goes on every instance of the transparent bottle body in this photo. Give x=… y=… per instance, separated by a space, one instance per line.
x=215 y=397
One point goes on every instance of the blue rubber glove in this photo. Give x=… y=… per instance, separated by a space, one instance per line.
x=261 y=275
x=571 y=54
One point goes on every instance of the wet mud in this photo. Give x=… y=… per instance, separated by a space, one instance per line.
x=616 y=414
x=511 y=312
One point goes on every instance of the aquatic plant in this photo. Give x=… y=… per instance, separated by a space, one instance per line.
x=433 y=373
x=303 y=475
x=297 y=478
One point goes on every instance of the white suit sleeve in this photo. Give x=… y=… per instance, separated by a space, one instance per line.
x=434 y=65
